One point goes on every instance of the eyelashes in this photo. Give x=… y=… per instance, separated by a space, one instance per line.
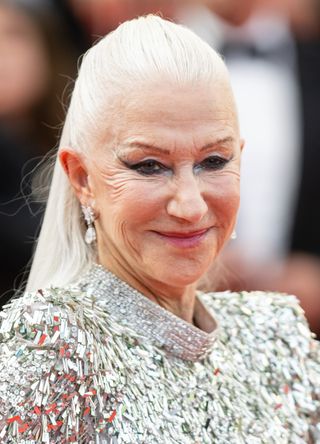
x=213 y=163
x=150 y=167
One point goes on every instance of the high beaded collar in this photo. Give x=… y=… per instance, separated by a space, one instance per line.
x=134 y=310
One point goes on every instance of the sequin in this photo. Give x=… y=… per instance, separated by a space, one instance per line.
x=98 y=362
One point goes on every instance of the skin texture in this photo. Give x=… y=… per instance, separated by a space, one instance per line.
x=179 y=190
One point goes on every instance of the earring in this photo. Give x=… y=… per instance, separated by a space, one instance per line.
x=89 y=217
x=233 y=235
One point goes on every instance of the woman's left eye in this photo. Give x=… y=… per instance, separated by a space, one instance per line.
x=213 y=163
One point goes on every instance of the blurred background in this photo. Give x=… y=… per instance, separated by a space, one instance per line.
x=272 y=49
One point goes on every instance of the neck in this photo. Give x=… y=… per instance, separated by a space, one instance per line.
x=178 y=300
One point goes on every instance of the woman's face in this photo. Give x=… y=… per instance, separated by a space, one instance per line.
x=166 y=184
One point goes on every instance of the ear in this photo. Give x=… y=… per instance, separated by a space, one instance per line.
x=242 y=143
x=76 y=170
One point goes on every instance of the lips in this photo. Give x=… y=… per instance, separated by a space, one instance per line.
x=188 y=239
x=180 y=235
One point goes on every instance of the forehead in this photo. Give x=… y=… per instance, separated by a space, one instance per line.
x=162 y=109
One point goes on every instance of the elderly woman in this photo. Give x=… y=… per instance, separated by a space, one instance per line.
x=112 y=342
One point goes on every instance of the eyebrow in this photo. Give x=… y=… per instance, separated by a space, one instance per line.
x=218 y=142
x=210 y=145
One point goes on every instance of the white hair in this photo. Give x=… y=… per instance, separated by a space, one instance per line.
x=138 y=50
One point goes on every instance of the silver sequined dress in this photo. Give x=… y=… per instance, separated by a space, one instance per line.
x=98 y=362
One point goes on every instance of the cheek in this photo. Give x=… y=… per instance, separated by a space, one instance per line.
x=224 y=197
x=129 y=200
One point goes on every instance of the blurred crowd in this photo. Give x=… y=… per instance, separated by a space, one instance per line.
x=272 y=49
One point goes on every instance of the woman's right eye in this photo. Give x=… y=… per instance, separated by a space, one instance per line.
x=148 y=167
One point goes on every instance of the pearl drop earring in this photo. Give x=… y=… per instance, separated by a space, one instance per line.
x=89 y=217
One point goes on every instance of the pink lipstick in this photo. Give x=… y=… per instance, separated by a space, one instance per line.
x=184 y=240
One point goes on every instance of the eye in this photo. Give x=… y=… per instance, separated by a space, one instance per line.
x=213 y=163
x=149 y=167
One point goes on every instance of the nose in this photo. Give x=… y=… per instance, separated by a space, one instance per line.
x=187 y=202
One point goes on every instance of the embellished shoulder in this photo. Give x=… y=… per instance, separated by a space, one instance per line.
x=270 y=335
x=52 y=350
x=267 y=315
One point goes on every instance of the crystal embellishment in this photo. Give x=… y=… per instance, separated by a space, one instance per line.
x=150 y=320
x=89 y=217
x=97 y=362
x=90 y=235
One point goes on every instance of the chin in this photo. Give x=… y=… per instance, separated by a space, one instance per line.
x=179 y=276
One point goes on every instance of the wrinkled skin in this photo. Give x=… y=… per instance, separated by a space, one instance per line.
x=189 y=183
